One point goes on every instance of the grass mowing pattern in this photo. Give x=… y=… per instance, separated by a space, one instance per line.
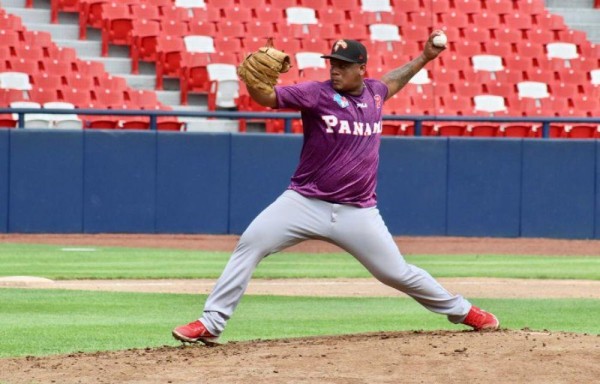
x=134 y=263
x=43 y=322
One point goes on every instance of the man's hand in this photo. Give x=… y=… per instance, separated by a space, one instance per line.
x=431 y=51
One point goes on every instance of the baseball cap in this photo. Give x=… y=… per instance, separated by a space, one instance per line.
x=351 y=51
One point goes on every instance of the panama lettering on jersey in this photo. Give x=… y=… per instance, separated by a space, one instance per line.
x=342 y=133
x=358 y=128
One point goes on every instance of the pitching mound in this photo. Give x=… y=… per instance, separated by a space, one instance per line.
x=402 y=357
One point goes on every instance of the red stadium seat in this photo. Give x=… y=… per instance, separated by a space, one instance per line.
x=169 y=52
x=81 y=98
x=145 y=11
x=78 y=82
x=42 y=95
x=520 y=130
x=57 y=6
x=499 y=7
x=332 y=16
x=176 y=28
x=47 y=81
x=450 y=129
x=90 y=16
x=238 y=14
x=231 y=29
x=144 y=37
x=194 y=75
x=582 y=131
x=117 y=25
x=484 y=129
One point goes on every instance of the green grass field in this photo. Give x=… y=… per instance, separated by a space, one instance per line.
x=115 y=263
x=41 y=322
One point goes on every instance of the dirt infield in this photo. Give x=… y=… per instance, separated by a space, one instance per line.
x=403 y=357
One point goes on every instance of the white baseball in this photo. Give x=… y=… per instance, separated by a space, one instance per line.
x=440 y=40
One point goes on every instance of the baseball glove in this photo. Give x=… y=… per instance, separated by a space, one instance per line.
x=261 y=69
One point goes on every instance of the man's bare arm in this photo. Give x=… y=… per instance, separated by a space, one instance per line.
x=397 y=78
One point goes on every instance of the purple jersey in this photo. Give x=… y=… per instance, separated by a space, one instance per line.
x=340 y=154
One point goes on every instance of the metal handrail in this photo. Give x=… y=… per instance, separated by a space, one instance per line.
x=288 y=116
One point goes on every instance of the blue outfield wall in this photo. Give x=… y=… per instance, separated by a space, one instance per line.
x=4 y=156
x=169 y=182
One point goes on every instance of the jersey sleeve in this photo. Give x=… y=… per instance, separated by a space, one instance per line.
x=379 y=87
x=298 y=96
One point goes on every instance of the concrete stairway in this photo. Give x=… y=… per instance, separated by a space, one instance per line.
x=580 y=15
x=66 y=34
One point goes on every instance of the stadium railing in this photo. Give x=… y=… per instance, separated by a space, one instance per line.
x=289 y=116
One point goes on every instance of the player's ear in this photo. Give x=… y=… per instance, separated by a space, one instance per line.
x=363 y=69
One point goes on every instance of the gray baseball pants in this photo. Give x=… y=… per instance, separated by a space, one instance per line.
x=361 y=232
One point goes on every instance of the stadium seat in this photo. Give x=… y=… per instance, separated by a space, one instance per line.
x=90 y=16
x=57 y=6
x=301 y=16
x=317 y=74
x=32 y=120
x=176 y=28
x=47 y=81
x=169 y=51
x=358 y=32
x=595 y=77
x=532 y=89
x=420 y=79
x=499 y=7
x=563 y=51
x=582 y=131
x=145 y=11
x=331 y=16
x=15 y=80
x=531 y=7
x=105 y=98
x=144 y=37
x=450 y=128
x=77 y=81
x=224 y=86
x=310 y=60
x=190 y=4
x=194 y=75
x=66 y=121
x=387 y=33
x=540 y=36
x=117 y=23
x=491 y=104
x=524 y=130
x=177 y=14
x=231 y=29
x=142 y=99
x=81 y=98
x=487 y=63
x=43 y=95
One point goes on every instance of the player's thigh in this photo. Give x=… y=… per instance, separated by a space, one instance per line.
x=288 y=220
x=365 y=236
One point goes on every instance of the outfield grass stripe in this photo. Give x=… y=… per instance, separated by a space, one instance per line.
x=41 y=322
x=134 y=263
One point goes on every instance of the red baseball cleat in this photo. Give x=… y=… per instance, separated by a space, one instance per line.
x=194 y=332
x=481 y=320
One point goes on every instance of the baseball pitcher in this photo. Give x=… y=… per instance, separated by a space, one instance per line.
x=331 y=195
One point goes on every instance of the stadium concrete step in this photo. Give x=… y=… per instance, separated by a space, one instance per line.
x=21 y=4
x=29 y=15
x=570 y=4
x=579 y=15
x=58 y=31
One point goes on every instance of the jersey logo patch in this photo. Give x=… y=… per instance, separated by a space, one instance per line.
x=378 y=101
x=341 y=100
